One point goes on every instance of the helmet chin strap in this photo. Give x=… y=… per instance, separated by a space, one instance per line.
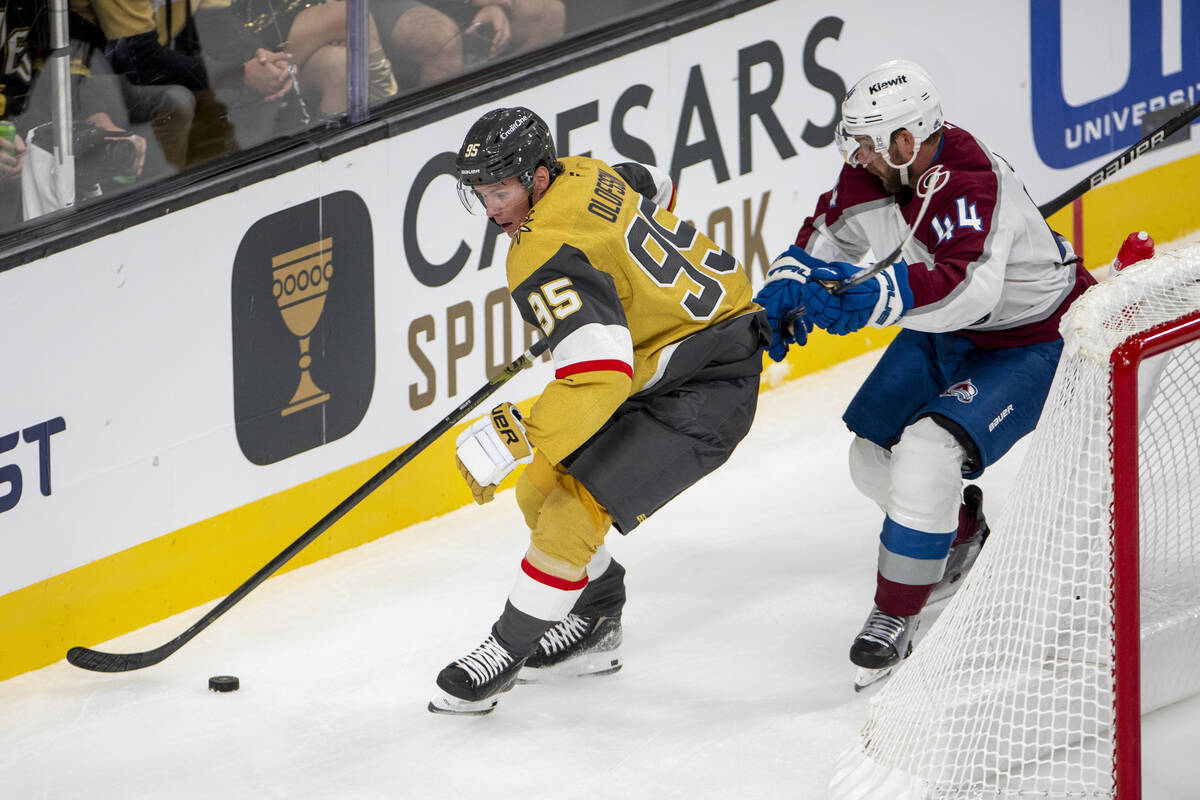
x=903 y=167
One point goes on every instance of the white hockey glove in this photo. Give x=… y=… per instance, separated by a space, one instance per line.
x=664 y=194
x=661 y=190
x=490 y=448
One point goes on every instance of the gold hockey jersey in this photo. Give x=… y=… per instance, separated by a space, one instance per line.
x=121 y=18
x=615 y=284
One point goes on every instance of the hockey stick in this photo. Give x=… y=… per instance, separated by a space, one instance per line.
x=930 y=182
x=1114 y=165
x=98 y=661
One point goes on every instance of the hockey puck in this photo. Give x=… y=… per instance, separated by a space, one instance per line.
x=223 y=683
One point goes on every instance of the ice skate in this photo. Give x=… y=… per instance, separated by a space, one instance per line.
x=471 y=684
x=579 y=645
x=962 y=555
x=884 y=641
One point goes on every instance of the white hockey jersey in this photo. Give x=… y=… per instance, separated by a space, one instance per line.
x=983 y=263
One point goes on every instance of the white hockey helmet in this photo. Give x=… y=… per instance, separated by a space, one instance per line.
x=896 y=94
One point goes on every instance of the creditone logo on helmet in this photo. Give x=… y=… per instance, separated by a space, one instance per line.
x=879 y=87
x=512 y=128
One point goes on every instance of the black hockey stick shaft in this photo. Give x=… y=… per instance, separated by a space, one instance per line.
x=98 y=661
x=1141 y=147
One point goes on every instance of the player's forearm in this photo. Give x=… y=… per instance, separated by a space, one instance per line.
x=953 y=295
x=571 y=409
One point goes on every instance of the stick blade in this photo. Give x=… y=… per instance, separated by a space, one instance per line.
x=97 y=661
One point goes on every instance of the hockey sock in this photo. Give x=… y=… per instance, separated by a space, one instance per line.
x=519 y=632
x=970 y=516
x=910 y=564
x=605 y=592
x=900 y=599
x=538 y=600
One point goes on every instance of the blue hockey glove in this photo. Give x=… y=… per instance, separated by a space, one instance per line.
x=879 y=301
x=781 y=297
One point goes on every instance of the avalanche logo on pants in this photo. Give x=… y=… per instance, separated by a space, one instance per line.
x=963 y=391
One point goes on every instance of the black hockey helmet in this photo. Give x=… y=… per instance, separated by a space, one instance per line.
x=505 y=142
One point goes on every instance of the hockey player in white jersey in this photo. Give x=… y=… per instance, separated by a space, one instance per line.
x=977 y=291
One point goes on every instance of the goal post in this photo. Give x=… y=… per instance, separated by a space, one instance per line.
x=1083 y=611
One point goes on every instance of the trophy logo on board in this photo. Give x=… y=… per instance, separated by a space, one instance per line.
x=301 y=283
x=303 y=343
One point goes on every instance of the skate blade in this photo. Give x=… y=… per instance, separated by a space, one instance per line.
x=447 y=704
x=584 y=666
x=870 y=680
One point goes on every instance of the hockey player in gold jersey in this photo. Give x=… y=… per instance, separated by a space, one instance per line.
x=656 y=346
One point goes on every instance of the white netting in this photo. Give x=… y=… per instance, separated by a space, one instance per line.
x=1011 y=693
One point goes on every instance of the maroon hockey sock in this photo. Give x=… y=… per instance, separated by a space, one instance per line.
x=900 y=599
x=970 y=517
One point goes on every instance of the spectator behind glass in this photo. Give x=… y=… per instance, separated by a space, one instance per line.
x=313 y=36
x=432 y=40
x=101 y=120
x=275 y=66
x=245 y=63
x=156 y=82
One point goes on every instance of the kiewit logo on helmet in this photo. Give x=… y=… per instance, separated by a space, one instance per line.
x=879 y=87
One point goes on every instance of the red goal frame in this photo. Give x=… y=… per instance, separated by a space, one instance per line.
x=1125 y=600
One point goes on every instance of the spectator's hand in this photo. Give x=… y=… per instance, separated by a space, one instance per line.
x=507 y=5
x=103 y=120
x=495 y=16
x=267 y=74
x=139 y=144
x=12 y=158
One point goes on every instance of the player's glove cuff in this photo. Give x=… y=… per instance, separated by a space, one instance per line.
x=895 y=296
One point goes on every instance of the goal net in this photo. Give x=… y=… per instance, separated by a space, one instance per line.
x=1083 y=611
